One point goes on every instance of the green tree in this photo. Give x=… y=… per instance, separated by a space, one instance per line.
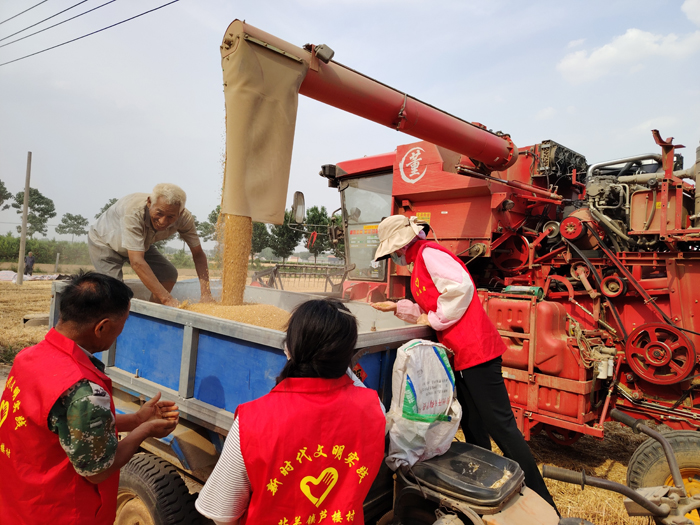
x=338 y=248
x=160 y=245
x=207 y=229
x=284 y=240
x=5 y=196
x=41 y=209
x=316 y=222
x=104 y=208
x=72 y=225
x=261 y=238
x=268 y=254
x=305 y=256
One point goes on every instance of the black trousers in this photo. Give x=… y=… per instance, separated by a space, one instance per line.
x=486 y=412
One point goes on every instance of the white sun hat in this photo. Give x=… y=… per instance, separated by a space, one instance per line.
x=395 y=232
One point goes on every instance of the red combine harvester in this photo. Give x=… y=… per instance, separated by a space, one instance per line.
x=591 y=272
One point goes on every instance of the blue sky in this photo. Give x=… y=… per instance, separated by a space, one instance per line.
x=142 y=103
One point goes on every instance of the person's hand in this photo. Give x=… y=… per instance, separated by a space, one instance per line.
x=385 y=306
x=171 y=301
x=159 y=428
x=423 y=320
x=155 y=409
x=206 y=298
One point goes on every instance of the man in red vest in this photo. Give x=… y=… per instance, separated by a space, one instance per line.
x=59 y=451
x=445 y=299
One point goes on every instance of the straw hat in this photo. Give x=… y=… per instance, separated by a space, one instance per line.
x=395 y=232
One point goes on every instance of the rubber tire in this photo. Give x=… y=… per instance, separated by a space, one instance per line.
x=648 y=466
x=159 y=486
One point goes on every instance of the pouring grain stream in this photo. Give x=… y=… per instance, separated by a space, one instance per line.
x=238 y=233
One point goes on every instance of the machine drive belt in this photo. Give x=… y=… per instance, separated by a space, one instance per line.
x=594 y=273
x=647 y=298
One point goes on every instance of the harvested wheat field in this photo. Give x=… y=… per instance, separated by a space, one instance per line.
x=263 y=315
x=605 y=459
x=32 y=297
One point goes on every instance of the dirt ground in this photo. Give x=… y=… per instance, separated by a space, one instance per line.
x=606 y=459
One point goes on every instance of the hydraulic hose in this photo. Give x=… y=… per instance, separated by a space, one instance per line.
x=639 y=426
x=653 y=210
x=580 y=478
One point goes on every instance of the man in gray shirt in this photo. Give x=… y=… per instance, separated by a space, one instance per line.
x=127 y=231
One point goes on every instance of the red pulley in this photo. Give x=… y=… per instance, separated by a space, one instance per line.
x=572 y=228
x=660 y=353
x=613 y=286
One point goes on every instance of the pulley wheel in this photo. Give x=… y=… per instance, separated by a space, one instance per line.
x=580 y=266
x=513 y=254
x=613 y=286
x=572 y=228
x=660 y=353
x=554 y=225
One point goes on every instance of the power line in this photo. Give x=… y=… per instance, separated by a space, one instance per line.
x=58 y=24
x=7 y=19
x=88 y=34
x=42 y=21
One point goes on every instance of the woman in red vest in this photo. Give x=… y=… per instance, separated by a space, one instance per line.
x=308 y=451
x=445 y=299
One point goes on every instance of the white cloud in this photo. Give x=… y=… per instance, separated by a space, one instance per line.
x=627 y=53
x=659 y=123
x=546 y=113
x=575 y=43
x=691 y=8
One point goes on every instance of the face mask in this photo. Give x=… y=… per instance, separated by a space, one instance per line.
x=286 y=352
x=401 y=261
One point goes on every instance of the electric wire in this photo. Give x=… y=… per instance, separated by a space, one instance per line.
x=59 y=23
x=88 y=34
x=29 y=9
x=42 y=21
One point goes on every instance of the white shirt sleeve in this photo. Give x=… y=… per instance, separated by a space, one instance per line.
x=356 y=381
x=226 y=494
x=408 y=311
x=454 y=285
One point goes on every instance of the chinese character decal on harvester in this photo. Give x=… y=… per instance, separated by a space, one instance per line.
x=410 y=166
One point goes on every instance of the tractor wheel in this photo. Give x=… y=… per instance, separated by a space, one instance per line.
x=562 y=436
x=151 y=492
x=648 y=466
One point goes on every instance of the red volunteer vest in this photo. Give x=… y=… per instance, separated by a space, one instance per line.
x=37 y=482
x=312 y=448
x=474 y=339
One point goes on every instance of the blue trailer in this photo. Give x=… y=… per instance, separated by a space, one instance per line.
x=209 y=366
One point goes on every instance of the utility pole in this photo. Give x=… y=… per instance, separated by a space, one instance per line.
x=23 y=235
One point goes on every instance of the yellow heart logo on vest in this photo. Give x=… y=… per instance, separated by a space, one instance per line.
x=328 y=479
x=4 y=410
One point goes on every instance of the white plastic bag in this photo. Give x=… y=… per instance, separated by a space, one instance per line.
x=425 y=414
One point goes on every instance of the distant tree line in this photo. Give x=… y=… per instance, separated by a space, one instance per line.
x=44 y=250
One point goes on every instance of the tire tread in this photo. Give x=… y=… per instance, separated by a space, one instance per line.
x=650 y=455
x=174 y=505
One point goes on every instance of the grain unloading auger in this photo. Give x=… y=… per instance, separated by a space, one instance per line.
x=263 y=76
